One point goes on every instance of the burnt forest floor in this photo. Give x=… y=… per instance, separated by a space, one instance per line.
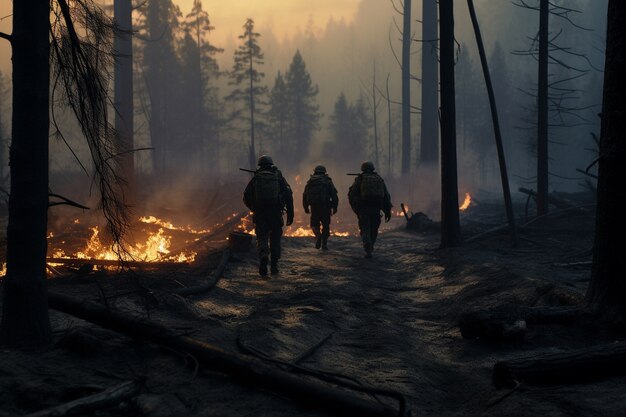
x=388 y=322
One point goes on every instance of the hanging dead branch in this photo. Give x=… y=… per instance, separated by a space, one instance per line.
x=82 y=57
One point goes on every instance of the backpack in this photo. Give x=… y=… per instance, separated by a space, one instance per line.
x=266 y=188
x=317 y=190
x=372 y=188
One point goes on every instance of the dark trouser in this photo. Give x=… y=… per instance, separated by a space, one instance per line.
x=369 y=222
x=269 y=230
x=320 y=216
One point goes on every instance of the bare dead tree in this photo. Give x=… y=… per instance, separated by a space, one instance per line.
x=123 y=88
x=607 y=290
x=506 y=191
x=552 y=96
x=429 y=140
x=450 y=224
x=406 y=87
x=25 y=320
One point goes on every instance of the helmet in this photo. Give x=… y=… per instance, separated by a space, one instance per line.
x=320 y=169
x=265 y=160
x=367 y=166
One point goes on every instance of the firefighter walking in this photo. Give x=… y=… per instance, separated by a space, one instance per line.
x=368 y=196
x=268 y=195
x=321 y=201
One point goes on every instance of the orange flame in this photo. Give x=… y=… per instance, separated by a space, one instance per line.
x=466 y=202
x=156 y=247
x=169 y=225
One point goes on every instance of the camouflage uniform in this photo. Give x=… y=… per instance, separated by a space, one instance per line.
x=320 y=212
x=268 y=219
x=368 y=212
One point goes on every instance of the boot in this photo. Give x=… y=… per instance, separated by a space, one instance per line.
x=325 y=243
x=274 y=266
x=318 y=242
x=263 y=267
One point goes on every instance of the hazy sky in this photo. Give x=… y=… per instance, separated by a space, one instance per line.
x=228 y=17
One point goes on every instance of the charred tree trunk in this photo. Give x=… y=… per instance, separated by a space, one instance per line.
x=389 y=129
x=25 y=320
x=607 y=289
x=504 y=176
x=252 y=151
x=406 y=88
x=375 y=119
x=542 y=111
x=124 y=124
x=450 y=226
x=429 y=141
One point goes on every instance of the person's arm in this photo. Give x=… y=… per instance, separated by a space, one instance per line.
x=248 y=195
x=287 y=199
x=353 y=194
x=387 y=205
x=305 y=199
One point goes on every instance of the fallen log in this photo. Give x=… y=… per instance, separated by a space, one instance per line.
x=110 y=262
x=493 y=325
x=211 y=282
x=550 y=315
x=86 y=405
x=580 y=365
x=225 y=228
x=510 y=323
x=552 y=199
x=245 y=369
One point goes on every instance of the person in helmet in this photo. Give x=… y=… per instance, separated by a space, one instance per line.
x=368 y=196
x=268 y=196
x=320 y=200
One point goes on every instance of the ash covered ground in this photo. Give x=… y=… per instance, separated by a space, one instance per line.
x=389 y=322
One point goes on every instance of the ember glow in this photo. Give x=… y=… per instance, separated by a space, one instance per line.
x=466 y=202
x=295 y=230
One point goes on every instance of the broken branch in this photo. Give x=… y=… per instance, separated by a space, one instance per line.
x=65 y=201
x=211 y=282
x=87 y=405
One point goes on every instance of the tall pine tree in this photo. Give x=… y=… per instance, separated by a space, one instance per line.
x=248 y=93
x=304 y=111
x=162 y=74
x=279 y=114
x=201 y=70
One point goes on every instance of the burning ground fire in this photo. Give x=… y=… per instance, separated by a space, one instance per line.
x=157 y=246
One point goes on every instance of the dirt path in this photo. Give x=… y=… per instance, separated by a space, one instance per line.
x=379 y=313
